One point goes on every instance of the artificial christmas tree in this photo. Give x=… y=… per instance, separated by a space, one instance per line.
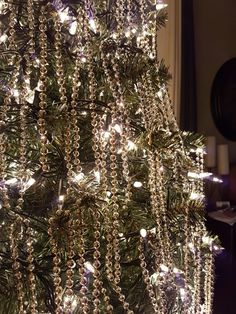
x=101 y=194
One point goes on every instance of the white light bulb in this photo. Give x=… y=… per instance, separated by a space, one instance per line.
x=182 y=293
x=161 y=5
x=79 y=177
x=30 y=96
x=196 y=196
x=118 y=128
x=109 y=194
x=131 y=145
x=97 y=176
x=215 y=179
x=207 y=240
x=29 y=183
x=12 y=181
x=73 y=28
x=164 y=268
x=137 y=184
x=89 y=267
x=3 y=38
x=61 y=198
x=143 y=233
x=64 y=15
x=92 y=25
x=83 y=59
x=106 y=135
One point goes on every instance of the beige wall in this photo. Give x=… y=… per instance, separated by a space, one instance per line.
x=215 y=40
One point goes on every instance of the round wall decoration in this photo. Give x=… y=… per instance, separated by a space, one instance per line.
x=223 y=100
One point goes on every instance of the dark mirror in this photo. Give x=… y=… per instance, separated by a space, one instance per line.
x=223 y=100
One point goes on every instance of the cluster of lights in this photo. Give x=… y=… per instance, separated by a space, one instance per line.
x=27 y=184
x=196 y=196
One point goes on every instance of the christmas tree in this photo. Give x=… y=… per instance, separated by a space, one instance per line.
x=101 y=194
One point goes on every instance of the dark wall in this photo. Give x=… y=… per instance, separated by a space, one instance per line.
x=215 y=43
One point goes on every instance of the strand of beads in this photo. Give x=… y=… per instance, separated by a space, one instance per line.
x=187 y=256
x=31 y=277
x=208 y=283
x=81 y=261
x=75 y=93
x=125 y=134
x=146 y=277
x=160 y=254
x=196 y=303
x=97 y=283
x=56 y=265
x=14 y=237
x=60 y=74
x=42 y=95
x=113 y=238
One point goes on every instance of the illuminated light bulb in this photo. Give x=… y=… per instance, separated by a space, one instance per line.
x=64 y=15
x=182 y=293
x=93 y=25
x=161 y=5
x=138 y=111
x=207 y=240
x=83 y=59
x=97 y=176
x=134 y=30
x=143 y=233
x=177 y=271
x=117 y=128
x=114 y=35
x=84 y=113
x=11 y=181
x=191 y=246
x=193 y=175
x=37 y=62
x=30 y=96
x=121 y=104
x=89 y=267
x=137 y=184
x=61 y=198
x=3 y=38
x=70 y=300
x=199 y=150
x=29 y=183
x=131 y=145
x=127 y=33
x=215 y=179
x=109 y=194
x=153 y=230
x=79 y=177
x=164 y=268
x=160 y=94
x=196 y=196
x=106 y=135
x=203 y=175
x=73 y=28
x=121 y=235
x=15 y=93
x=151 y=56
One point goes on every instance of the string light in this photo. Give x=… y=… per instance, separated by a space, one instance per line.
x=131 y=145
x=64 y=15
x=3 y=38
x=89 y=267
x=11 y=181
x=97 y=175
x=73 y=28
x=138 y=184
x=161 y=5
x=143 y=233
